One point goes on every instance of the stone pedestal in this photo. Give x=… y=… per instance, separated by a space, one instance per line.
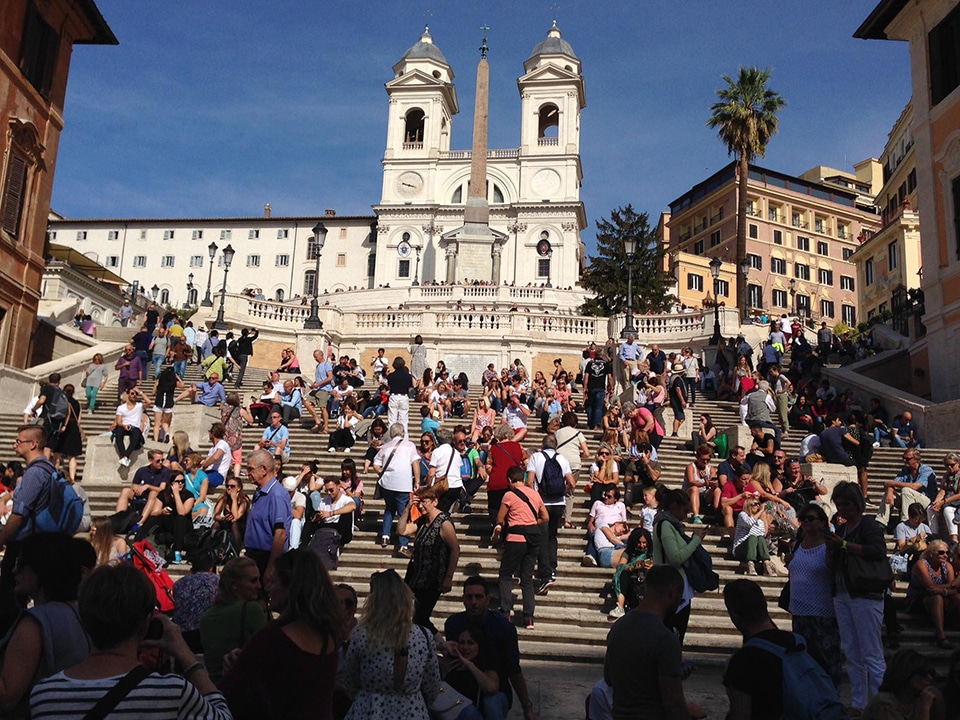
x=100 y=465
x=829 y=475
x=738 y=435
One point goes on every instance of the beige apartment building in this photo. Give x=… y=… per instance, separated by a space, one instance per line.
x=888 y=262
x=801 y=235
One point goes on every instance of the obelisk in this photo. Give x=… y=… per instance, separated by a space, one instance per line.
x=473 y=250
x=477 y=210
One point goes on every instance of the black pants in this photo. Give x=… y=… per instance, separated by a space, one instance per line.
x=176 y=525
x=518 y=556
x=547 y=564
x=341 y=438
x=424 y=601
x=242 y=364
x=288 y=413
x=446 y=501
x=678 y=621
x=494 y=498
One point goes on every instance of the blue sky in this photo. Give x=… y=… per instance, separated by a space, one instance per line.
x=215 y=108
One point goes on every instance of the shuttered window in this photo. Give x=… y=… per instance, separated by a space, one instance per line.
x=14 y=193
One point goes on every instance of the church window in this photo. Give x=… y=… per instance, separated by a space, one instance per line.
x=549 y=128
x=279 y=295
x=403 y=270
x=165 y=297
x=543 y=267
x=413 y=128
x=309 y=282
x=497 y=194
x=457 y=195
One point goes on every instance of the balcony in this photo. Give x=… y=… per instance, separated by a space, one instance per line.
x=548 y=141
x=413 y=146
x=467 y=154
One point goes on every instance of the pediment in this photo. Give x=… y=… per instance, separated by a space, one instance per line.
x=416 y=79
x=550 y=73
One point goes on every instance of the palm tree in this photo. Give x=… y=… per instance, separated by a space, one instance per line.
x=746 y=119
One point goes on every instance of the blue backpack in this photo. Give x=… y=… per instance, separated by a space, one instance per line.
x=64 y=510
x=808 y=692
x=553 y=483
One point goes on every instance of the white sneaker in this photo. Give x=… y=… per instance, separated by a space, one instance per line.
x=876 y=444
x=346 y=450
x=125 y=461
x=588 y=561
x=331 y=449
x=616 y=612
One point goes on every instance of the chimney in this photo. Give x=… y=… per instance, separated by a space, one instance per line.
x=329 y=213
x=266 y=210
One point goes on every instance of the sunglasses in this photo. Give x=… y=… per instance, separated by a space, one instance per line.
x=603 y=454
x=809 y=518
x=231 y=486
x=943 y=552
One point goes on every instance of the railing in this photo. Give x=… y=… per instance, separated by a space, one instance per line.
x=473 y=321
x=548 y=141
x=716 y=218
x=467 y=154
x=398 y=319
x=481 y=291
x=436 y=291
x=561 y=325
x=278 y=312
x=669 y=324
x=526 y=293
x=700 y=226
x=413 y=146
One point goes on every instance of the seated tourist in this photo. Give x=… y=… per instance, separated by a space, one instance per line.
x=219 y=458
x=209 y=392
x=171 y=512
x=147 y=482
x=933 y=589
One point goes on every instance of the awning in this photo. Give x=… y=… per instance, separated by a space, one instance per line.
x=81 y=263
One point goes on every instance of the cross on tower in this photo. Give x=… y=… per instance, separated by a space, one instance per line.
x=483 y=45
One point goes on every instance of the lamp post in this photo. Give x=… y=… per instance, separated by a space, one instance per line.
x=715 y=265
x=630 y=249
x=416 y=270
x=189 y=289
x=745 y=272
x=319 y=238
x=228 y=253
x=156 y=292
x=212 y=252
x=793 y=296
x=134 y=294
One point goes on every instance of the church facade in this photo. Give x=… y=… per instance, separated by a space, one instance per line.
x=532 y=192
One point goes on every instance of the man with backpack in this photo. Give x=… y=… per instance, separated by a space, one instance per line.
x=548 y=472
x=56 y=407
x=774 y=675
x=40 y=500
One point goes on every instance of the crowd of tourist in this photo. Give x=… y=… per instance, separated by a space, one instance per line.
x=204 y=501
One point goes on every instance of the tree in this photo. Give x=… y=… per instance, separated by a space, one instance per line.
x=606 y=274
x=745 y=118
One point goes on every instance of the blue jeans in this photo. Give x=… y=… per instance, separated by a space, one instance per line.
x=596 y=408
x=180 y=368
x=372 y=411
x=144 y=360
x=157 y=362
x=394 y=504
x=494 y=706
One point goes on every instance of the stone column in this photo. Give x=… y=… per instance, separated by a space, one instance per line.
x=496 y=251
x=451 y=251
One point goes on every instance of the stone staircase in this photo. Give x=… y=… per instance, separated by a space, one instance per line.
x=571 y=620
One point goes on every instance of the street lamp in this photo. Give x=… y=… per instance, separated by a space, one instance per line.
x=630 y=248
x=228 y=253
x=715 y=265
x=212 y=252
x=156 y=292
x=793 y=296
x=135 y=293
x=319 y=238
x=416 y=271
x=189 y=289
x=745 y=271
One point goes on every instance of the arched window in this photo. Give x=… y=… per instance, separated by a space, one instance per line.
x=497 y=194
x=413 y=127
x=549 y=122
x=457 y=195
x=192 y=296
x=309 y=282
x=279 y=295
x=164 y=297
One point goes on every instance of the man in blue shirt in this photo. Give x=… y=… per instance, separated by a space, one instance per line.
x=276 y=437
x=209 y=393
x=630 y=355
x=916 y=482
x=321 y=388
x=291 y=402
x=268 y=521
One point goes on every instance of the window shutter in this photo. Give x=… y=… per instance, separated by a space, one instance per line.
x=14 y=194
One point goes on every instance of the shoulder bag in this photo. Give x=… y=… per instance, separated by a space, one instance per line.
x=698 y=567
x=108 y=703
x=865 y=577
x=449 y=703
x=377 y=490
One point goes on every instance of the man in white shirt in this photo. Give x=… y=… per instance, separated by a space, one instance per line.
x=547 y=564
x=398 y=466
x=298 y=504
x=335 y=518
x=515 y=415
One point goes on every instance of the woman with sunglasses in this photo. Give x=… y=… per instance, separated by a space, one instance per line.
x=230 y=512
x=947 y=501
x=933 y=587
x=811 y=605
x=604 y=472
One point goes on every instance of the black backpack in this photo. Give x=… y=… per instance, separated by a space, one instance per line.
x=58 y=406
x=553 y=484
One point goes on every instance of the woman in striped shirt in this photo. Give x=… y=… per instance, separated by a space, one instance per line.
x=116 y=606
